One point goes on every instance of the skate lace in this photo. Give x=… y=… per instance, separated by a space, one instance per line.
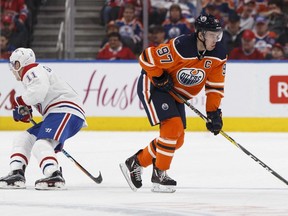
x=164 y=176
x=137 y=172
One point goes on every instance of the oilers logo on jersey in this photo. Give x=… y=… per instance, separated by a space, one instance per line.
x=190 y=76
x=165 y=106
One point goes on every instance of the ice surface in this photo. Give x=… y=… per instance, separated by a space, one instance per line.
x=214 y=177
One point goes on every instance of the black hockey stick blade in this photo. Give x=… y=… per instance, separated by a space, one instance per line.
x=265 y=166
x=97 y=179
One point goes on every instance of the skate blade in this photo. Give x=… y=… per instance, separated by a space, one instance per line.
x=45 y=186
x=17 y=185
x=157 y=188
x=126 y=174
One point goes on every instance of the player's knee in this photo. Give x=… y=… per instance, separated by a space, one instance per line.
x=42 y=147
x=172 y=128
x=25 y=141
x=180 y=141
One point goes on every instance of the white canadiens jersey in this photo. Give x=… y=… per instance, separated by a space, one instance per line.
x=48 y=93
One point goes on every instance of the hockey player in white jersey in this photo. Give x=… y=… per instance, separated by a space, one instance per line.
x=63 y=117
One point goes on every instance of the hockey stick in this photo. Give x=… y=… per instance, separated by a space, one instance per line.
x=97 y=179
x=230 y=138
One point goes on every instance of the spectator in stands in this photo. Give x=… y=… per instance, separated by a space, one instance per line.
x=283 y=40
x=138 y=5
x=277 y=53
x=158 y=35
x=20 y=13
x=6 y=48
x=158 y=12
x=192 y=10
x=16 y=8
x=211 y=9
x=159 y=9
x=277 y=19
x=222 y=8
x=110 y=11
x=260 y=6
x=111 y=27
x=264 y=38
x=232 y=32
x=247 y=19
x=224 y=5
x=176 y=24
x=18 y=36
x=114 y=49
x=247 y=51
x=130 y=29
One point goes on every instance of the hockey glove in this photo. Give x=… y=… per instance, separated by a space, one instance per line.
x=18 y=101
x=164 y=82
x=22 y=113
x=215 y=124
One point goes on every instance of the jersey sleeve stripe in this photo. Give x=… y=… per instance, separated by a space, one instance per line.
x=150 y=56
x=145 y=62
x=144 y=56
x=214 y=91
x=215 y=83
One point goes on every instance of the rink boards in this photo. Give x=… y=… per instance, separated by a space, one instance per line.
x=256 y=96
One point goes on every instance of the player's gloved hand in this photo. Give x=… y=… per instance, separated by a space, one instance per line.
x=215 y=125
x=22 y=113
x=18 y=101
x=164 y=82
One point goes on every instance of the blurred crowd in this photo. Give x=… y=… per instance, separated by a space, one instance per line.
x=18 y=18
x=253 y=29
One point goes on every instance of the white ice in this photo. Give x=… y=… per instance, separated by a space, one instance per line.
x=214 y=177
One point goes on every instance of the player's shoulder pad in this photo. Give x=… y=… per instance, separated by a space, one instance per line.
x=185 y=45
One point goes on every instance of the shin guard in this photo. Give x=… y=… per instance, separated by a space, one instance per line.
x=170 y=131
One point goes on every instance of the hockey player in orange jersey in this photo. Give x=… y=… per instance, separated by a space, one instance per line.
x=186 y=63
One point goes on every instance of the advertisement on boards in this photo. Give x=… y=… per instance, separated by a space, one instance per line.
x=110 y=89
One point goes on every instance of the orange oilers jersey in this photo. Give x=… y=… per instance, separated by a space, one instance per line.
x=179 y=59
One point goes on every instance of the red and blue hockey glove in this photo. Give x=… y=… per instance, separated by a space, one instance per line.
x=215 y=124
x=164 y=82
x=18 y=101
x=22 y=113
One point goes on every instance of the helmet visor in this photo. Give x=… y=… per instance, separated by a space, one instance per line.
x=214 y=35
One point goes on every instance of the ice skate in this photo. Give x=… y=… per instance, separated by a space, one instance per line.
x=162 y=183
x=132 y=171
x=54 y=182
x=14 y=180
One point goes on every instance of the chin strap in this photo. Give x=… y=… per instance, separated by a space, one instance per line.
x=201 y=55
